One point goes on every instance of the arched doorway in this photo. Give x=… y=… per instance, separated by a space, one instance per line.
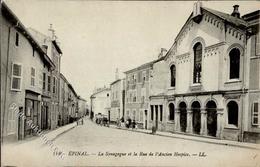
x=183 y=116
x=211 y=109
x=196 y=119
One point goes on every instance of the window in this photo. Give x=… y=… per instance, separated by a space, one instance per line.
x=134 y=79
x=151 y=112
x=141 y=115
x=142 y=99
x=255 y=114
x=17 y=39
x=32 y=76
x=134 y=115
x=173 y=75
x=134 y=99
x=161 y=112
x=54 y=85
x=16 y=77
x=49 y=83
x=171 y=111
x=44 y=81
x=197 y=49
x=232 y=113
x=234 y=58
x=108 y=95
x=144 y=76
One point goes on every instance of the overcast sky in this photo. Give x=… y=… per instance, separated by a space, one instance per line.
x=99 y=36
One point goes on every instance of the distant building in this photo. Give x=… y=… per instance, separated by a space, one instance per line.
x=100 y=102
x=23 y=62
x=117 y=98
x=63 y=117
x=51 y=80
x=82 y=107
x=72 y=104
x=138 y=92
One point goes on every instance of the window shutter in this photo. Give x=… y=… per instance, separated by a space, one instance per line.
x=255 y=113
x=258 y=43
x=139 y=76
x=147 y=75
x=16 y=76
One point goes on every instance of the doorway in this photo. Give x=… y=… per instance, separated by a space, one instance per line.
x=211 y=108
x=183 y=116
x=196 y=118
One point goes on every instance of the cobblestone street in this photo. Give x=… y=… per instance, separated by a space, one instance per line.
x=90 y=144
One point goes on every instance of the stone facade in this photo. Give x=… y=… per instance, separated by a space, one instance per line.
x=117 y=99
x=212 y=80
x=100 y=103
x=22 y=65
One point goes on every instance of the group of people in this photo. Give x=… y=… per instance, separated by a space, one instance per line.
x=128 y=123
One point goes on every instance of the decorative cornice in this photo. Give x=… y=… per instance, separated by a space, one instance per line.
x=214 y=45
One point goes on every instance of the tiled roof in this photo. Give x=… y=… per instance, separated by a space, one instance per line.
x=231 y=19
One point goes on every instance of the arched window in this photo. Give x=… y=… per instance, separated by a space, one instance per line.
x=173 y=75
x=234 y=58
x=232 y=113
x=197 y=49
x=171 y=111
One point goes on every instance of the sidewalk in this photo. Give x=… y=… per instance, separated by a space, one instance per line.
x=194 y=138
x=38 y=141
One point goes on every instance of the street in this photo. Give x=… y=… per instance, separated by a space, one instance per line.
x=91 y=144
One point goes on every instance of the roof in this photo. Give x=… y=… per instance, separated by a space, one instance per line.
x=71 y=87
x=227 y=17
x=115 y=81
x=64 y=78
x=99 y=91
x=57 y=46
x=12 y=18
x=80 y=98
x=149 y=64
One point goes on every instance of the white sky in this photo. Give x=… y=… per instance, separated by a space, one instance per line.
x=99 y=36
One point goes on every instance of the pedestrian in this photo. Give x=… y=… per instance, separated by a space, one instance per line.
x=122 y=121
x=134 y=123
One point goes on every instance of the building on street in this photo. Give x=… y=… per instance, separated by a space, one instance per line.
x=138 y=92
x=82 y=107
x=117 y=98
x=211 y=87
x=50 y=46
x=100 y=102
x=23 y=62
x=72 y=104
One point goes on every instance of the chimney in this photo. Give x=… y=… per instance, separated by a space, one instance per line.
x=51 y=32
x=197 y=8
x=235 y=12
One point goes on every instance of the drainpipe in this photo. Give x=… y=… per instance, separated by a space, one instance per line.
x=243 y=90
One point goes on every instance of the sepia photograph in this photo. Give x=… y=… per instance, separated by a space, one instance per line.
x=130 y=83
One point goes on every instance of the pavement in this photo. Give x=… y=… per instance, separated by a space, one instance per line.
x=94 y=145
x=50 y=135
x=194 y=138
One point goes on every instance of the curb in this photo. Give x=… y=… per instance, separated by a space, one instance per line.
x=63 y=132
x=197 y=140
